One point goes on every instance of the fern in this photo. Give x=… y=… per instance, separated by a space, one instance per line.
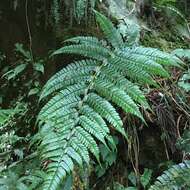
x=111 y=33
x=77 y=9
x=56 y=11
x=177 y=177
x=80 y=9
x=85 y=95
x=182 y=53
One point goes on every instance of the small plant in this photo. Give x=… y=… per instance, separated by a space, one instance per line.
x=145 y=179
x=108 y=158
x=17 y=119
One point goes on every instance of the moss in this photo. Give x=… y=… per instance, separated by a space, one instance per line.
x=164 y=39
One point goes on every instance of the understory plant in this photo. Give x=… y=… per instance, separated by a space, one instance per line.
x=86 y=95
x=20 y=87
x=176 y=177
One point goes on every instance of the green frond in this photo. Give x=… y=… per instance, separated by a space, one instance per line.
x=56 y=11
x=144 y=62
x=81 y=149
x=155 y=54
x=86 y=139
x=60 y=160
x=182 y=53
x=99 y=122
x=118 y=96
x=75 y=155
x=111 y=33
x=94 y=116
x=77 y=71
x=134 y=92
x=108 y=74
x=63 y=145
x=93 y=51
x=85 y=96
x=96 y=130
x=126 y=68
x=106 y=110
x=63 y=108
x=80 y=9
x=67 y=97
x=177 y=177
x=57 y=171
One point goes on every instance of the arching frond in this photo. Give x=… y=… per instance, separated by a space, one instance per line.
x=86 y=95
x=177 y=177
x=182 y=53
x=92 y=51
x=111 y=33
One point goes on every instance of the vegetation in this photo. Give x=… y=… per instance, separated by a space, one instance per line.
x=115 y=115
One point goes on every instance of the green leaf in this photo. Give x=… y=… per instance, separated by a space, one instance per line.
x=33 y=91
x=15 y=72
x=184 y=82
x=146 y=177
x=132 y=178
x=19 y=48
x=111 y=33
x=39 y=67
x=182 y=53
x=131 y=188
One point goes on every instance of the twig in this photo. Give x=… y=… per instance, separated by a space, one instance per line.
x=29 y=31
x=178 y=121
x=180 y=107
x=166 y=150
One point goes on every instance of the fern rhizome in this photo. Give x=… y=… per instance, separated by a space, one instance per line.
x=86 y=94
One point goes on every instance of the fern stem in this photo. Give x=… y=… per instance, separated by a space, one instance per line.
x=91 y=83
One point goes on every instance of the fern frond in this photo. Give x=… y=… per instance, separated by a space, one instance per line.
x=85 y=138
x=67 y=97
x=118 y=96
x=126 y=68
x=94 y=116
x=182 y=53
x=56 y=12
x=85 y=97
x=81 y=149
x=177 y=177
x=143 y=61
x=110 y=74
x=77 y=71
x=80 y=9
x=111 y=33
x=92 y=51
x=106 y=110
x=155 y=54
x=96 y=130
